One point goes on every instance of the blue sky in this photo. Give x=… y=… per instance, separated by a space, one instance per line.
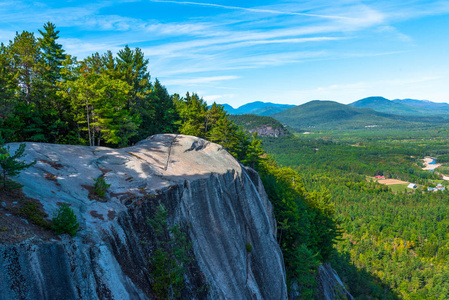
x=279 y=51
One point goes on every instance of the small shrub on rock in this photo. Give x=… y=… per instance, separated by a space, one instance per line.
x=100 y=186
x=65 y=221
x=31 y=212
x=249 y=247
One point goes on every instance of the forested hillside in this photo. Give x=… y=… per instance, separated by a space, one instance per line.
x=395 y=242
x=330 y=115
x=109 y=100
x=258 y=108
x=403 y=107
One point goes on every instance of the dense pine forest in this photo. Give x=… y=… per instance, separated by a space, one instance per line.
x=395 y=242
x=109 y=100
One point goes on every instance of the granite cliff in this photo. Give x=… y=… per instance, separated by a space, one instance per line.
x=220 y=205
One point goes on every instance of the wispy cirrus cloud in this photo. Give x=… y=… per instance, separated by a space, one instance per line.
x=211 y=43
x=199 y=80
x=253 y=10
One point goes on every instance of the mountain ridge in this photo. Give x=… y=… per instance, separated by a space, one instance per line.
x=326 y=114
x=402 y=106
x=257 y=108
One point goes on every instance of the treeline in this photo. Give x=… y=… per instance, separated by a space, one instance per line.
x=49 y=96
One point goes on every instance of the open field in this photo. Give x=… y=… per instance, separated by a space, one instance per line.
x=392 y=181
x=399 y=187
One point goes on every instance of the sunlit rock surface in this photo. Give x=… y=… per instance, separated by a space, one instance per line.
x=220 y=204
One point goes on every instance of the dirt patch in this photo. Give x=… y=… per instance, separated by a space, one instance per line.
x=122 y=196
x=104 y=171
x=92 y=195
x=427 y=166
x=112 y=214
x=52 y=177
x=95 y=214
x=391 y=181
x=54 y=165
x=14 y=225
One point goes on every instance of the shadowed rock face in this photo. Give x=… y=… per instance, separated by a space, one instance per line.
x=221 y=205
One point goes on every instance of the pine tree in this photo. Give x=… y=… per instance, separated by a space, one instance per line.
x=8 y=87
x=165 y=114
x=52 y=53
x=25 y=57
x=254 y=152
x=100 y=104
x=53 y=108
x=192 y=112
x=132 y=68
x=10 y=165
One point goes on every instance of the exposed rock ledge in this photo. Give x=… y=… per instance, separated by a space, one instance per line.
x=267 y=130
x=221 y=205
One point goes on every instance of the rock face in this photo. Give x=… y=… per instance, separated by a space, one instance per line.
x=330 y=285
x=266 y=130
x=221 y=205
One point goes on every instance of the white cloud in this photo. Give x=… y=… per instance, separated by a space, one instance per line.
x=254 y=10
x=218 y=98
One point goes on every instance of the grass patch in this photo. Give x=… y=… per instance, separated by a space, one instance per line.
x=395 y=188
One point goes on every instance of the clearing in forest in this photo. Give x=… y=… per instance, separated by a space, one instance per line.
x=428 y=163
x=392 y=181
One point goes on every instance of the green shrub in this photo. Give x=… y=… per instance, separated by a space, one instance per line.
x=33 y=214
x=100 y=186
x=169 y=261
x=11 y=166
x=249 y=248
x=65 y=221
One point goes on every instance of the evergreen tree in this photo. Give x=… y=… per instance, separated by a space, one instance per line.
x=131 y=67
x=254 y=152
x=8 y=88
x=165 y=114
x=224 y=132
x=192 y=110
x=53 y=108
x=99 y=103
x=10 y=165
x=52 y=53
x=25 y=57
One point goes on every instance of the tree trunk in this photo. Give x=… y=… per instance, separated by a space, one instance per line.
x=88 y=122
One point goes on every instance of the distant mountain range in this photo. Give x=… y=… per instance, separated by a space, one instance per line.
x=403 y=107
x=365 y=113
x=333 y=115
x=257 y=108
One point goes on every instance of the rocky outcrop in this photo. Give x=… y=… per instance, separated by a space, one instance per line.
x=330 y=285
x=221 y=205
x=267 y=130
